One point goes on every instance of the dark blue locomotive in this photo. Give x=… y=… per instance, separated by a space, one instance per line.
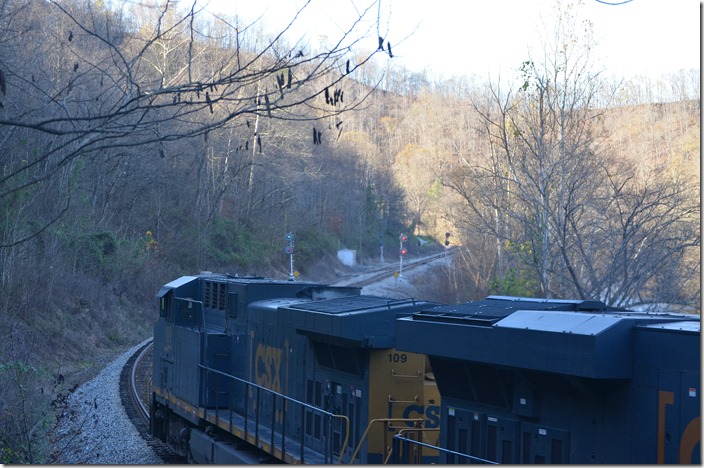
x=553 y=381
x=250 y=369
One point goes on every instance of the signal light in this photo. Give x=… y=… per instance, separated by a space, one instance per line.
x=403 y=238
x=289 y=248
x=404 y=251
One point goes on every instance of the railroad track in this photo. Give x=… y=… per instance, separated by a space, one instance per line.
x=135 y=392
x=385 y=271
x=140 y=381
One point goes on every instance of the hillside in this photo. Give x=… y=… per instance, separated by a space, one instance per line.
x=132 y=157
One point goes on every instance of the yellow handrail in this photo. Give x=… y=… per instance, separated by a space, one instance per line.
x=347 y=435
x=382 y=420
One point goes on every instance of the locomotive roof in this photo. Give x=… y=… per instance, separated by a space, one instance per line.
x=581 y=338
x=365 y=321
x=692 y=325
x=177 y=283
x=252 y=279
x=353 y=305
x=494 y=308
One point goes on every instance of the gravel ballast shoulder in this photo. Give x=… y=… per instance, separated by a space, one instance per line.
x=95 y=428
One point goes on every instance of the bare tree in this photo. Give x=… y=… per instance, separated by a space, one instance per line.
x=117 y=85
x=112 y=83
x=651 y=224
x=551 y=194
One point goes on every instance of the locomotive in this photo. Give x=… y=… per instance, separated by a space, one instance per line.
x=250 y=370
x=558 y=381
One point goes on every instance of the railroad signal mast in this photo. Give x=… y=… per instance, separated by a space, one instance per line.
x=289 y=251
x=447 y=242
x=402 y=252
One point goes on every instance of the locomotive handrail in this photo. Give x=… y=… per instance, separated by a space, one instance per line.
x=415 y=399
x=286 y=398
x=421 y=430
x=399 y=437
x=407 y=376
x=385 y=421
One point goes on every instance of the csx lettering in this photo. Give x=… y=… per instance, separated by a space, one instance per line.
x=690 y=438
x=431 y=413
x=268 y=367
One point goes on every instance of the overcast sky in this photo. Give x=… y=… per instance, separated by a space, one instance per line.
x=451 y=37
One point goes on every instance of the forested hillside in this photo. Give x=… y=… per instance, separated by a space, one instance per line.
x=144 y=142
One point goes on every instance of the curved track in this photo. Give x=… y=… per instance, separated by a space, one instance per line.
x=137 y=381
x=135 y=388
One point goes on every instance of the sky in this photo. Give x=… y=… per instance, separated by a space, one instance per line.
x=491 y=37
